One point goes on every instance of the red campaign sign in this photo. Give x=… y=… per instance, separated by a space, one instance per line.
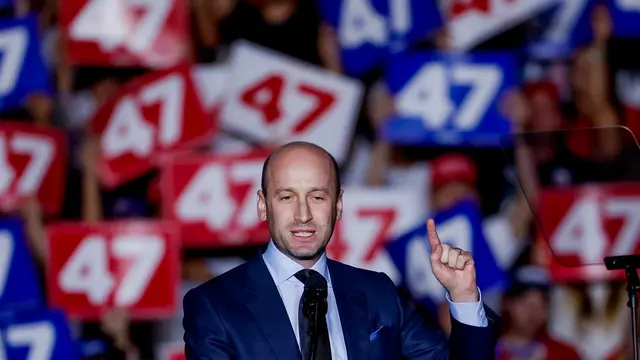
x=587 y=223
x=32 y=163
x=177 y=356
x=370 y=218
x=213 y=198
x=142 y=33
x=130 y=265
x=147 y=120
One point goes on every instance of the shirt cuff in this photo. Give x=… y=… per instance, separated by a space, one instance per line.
x=469 y=313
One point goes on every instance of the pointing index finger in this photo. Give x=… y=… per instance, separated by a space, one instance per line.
x=434 y=240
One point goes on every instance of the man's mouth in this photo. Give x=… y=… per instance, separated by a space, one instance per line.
x=302 y=234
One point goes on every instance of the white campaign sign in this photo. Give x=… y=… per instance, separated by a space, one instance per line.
x=210 y=81
x=272 y=98
x=361 y=227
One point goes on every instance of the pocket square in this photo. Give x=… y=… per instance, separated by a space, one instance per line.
x=374 y=335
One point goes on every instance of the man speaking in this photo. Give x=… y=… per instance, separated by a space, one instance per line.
x=293 y=303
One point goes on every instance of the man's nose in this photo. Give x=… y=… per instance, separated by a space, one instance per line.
x=303 y=213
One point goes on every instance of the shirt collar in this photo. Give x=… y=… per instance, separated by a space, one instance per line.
x=282 y=268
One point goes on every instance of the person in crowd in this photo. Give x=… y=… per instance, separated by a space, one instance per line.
x=291 y=27
x=524 y=334
x=301 y=199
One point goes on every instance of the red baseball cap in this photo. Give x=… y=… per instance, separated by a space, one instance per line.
x=453 y=167
x=544 y=87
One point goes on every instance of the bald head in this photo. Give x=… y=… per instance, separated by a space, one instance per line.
x=303 y=149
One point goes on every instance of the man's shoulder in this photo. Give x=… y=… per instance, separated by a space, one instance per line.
x=361 y=279
x=227 y=282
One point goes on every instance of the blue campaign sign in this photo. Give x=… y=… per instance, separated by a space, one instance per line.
x=19 y=288
x=565 y=27
x=411 y=20
x=37 y=335
x=460 y=226
x=449 y=99
x=625 y=17
x=368 y=30
x=22 y=67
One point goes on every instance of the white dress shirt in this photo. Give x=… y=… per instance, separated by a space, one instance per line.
x=283 y=269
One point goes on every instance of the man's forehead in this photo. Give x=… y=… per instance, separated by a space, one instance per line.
x=300 y=154
x=300 y=162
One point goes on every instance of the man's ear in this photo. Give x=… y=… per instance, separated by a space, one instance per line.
x=339 y=205
x=262 y=206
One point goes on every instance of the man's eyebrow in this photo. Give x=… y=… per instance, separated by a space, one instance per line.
x=315 y=189
x=321 y=189
x=279 y=190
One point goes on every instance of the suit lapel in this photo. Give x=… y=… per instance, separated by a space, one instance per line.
x=266 y=306
x=352 y=307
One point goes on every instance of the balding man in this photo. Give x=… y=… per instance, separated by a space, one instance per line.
x=293 y=303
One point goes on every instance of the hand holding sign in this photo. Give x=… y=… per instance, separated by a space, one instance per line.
x=453 y=267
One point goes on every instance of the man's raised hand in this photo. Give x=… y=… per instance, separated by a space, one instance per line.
x=453 y=267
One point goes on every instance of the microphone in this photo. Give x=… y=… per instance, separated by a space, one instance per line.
x=314 y=305
x=314 y=300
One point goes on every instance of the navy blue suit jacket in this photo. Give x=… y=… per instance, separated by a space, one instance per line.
x=240 y=315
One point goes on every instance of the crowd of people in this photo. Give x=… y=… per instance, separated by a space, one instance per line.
x=541 y=317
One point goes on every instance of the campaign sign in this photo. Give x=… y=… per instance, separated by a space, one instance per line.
x=22 y=68
x=584 y=224
x=273 y=98
x=446 y=99
x=209 y=81
x=129 y=33
x=411 y=21
x=19 y=286
x=370 y=218
x=95 y=267
x=459 y=226
x=566 y=26
x=172 y=351
x=213 y=198
x=472 y=22
x=368 y=30
x=153 y=115
x=39 y=335
x=32 y=163
x=625 y=17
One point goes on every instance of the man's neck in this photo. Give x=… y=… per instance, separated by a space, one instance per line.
x=307 y=264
